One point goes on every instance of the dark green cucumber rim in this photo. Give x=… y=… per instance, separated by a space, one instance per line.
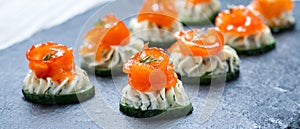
x=138 y=113
x=102 y=72
x=48 y=99
x=165 y=44
x=256 y=51
x=169 y=113
x=281 y=29
x=95 y=70
x=206 y=79
x=187 y=21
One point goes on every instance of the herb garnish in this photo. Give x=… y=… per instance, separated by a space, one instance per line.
x=48 y=57
x=148 y=59
x=99 y=23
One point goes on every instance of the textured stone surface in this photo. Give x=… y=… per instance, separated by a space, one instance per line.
x=266 y=95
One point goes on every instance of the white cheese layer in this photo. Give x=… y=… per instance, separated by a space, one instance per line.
x=198 y=12
x=115 y=57
x=196 y=66
x=148 y=31
x=48 y=86
x=163 y=99
x=285 y=19
x=253 y=41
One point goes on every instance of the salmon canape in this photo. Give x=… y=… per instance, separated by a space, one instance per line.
x=277 y=14
x=54 y=78
x=193 y=12
x=107 y=46
x=153 y=88
x=156 y=22
x=199 y=55
x=244 y=31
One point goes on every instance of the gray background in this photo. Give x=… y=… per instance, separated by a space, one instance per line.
x=266 y=95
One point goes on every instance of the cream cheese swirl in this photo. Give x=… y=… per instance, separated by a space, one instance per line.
x=252 y=41
x=198 y=12
x=284 y=19
x=148 y=31
x=196 y=66
x=48 y=86
x=162 y=99
x=115 y=57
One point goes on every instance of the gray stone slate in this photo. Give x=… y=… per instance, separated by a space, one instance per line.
x=266 y=95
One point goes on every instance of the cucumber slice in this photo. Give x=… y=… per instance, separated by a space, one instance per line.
x=206 y=79
x=188 y=21
x=165 y=44
x=59 y=99
x=138 y=113
x=280 y=29
x=256 y=51
x=171 y=112
x=177 y=112
x=103 y=72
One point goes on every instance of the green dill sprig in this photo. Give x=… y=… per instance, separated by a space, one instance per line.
x=99 y=23
x=148 y=59
x=48 y=57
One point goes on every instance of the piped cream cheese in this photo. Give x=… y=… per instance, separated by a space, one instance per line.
x=48 y=86
x=286 y=18
x=198 y=12
x=253 y=41
x=148 y=31
x=162 y=99
x=196 y=66
x=115 y=57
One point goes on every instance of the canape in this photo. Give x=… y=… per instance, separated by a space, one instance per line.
x=244 y=31
x=107 y=46
x=54 y=78
x=194 y=12
x=156 y=22
x=153 y=88
x=199 y=55
x=277 y=14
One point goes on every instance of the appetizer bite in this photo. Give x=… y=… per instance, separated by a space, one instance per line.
x=277 y=14
x=156 y=22
x=193 y=12
x=153 y=87
x=108 y=45
x=244 y=31
x=54 y=78
x=198 y=55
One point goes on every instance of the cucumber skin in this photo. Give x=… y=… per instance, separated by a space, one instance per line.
x=281 y=29
x=138 y=113
x=97 y=71
x=103 y=72
x=187 y=22
x=161 y=44
x=178 y=112
x=47 y=99
x=256 y=51
x=229 y=77
x=206 y=79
